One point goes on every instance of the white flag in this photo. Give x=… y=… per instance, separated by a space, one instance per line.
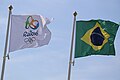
x=28 y=31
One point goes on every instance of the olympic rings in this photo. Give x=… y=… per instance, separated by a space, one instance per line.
x=29 y=40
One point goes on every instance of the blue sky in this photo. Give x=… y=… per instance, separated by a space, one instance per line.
x=51 y=62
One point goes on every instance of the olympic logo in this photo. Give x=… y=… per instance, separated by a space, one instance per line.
x=30 y=22
x=29 y=40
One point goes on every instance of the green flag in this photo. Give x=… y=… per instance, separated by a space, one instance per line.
x=95 y=37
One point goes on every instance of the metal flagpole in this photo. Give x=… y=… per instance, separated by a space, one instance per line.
x=71 y=50
x=6 y=43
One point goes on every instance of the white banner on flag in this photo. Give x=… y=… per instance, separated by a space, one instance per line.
x=28 y=31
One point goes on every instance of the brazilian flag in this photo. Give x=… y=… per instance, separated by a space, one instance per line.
x=95 y=37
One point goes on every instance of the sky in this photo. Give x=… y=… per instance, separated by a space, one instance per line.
x=50 y=62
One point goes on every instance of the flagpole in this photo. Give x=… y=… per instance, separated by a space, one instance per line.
x=71 y=50
x=6 y=43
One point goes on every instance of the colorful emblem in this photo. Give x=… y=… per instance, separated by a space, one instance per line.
x=31 y=23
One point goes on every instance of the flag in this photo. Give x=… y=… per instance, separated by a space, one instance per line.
x=28 y=31
x=95 y=37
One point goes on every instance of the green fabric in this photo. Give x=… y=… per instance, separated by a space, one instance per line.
x=86 y=46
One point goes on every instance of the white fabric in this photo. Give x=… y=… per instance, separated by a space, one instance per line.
x=28 y=31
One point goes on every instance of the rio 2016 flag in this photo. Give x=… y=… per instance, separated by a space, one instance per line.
x=95 y=37
x=28 y=31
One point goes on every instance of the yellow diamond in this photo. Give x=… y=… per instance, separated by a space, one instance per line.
x=86 y=38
